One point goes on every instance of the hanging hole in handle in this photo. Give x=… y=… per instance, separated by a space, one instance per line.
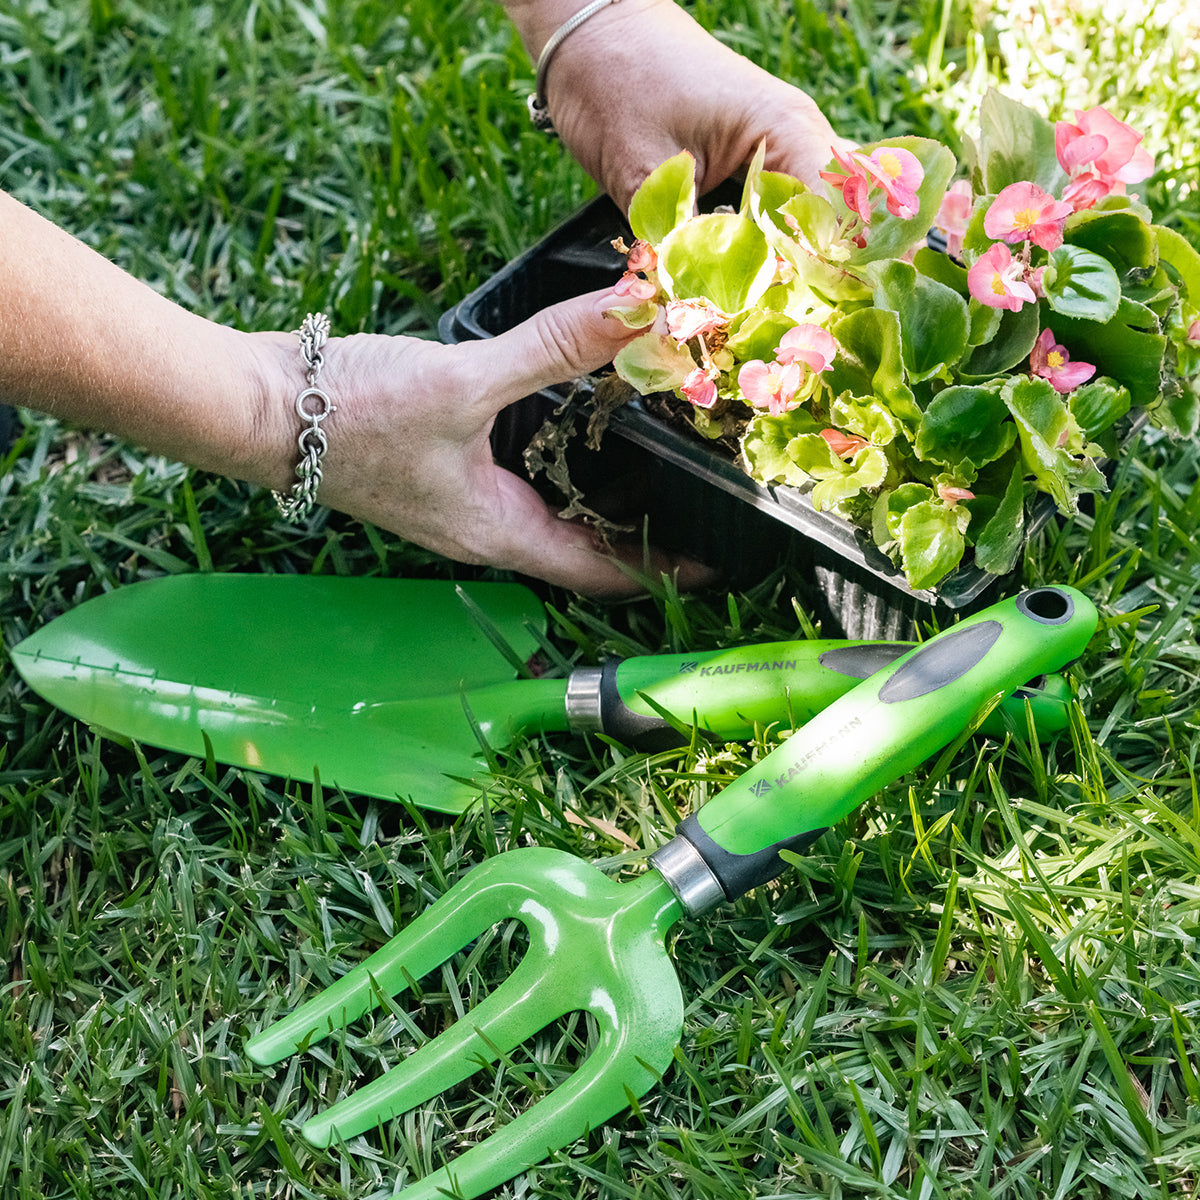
x=1050 y=606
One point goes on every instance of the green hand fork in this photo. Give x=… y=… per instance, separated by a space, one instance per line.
x=598 y=946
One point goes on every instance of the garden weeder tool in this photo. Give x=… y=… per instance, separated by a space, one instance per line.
x=380 y=711
x=598 y=946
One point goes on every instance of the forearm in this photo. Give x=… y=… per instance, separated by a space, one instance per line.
x=83 y=340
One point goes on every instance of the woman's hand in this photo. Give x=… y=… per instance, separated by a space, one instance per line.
x=409 y=449
x=641 y=80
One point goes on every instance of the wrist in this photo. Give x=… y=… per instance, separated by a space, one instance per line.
x=275 y=376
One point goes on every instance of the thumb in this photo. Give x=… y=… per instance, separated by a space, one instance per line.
x=556 y=345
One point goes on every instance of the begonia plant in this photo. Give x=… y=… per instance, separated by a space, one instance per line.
x=923 y=354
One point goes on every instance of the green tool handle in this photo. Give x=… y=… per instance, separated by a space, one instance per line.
x=884 y=727
x=727 y=693
x=730 y=692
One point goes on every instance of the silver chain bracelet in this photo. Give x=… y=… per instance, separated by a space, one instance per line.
x=539 y=109
x=297 y=504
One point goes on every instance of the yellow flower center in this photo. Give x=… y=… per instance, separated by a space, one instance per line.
x=890 y=164
x=998 y=287
x=1055 y=359
x=1025 y=219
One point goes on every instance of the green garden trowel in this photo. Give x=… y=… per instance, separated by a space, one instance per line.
x=399 y=688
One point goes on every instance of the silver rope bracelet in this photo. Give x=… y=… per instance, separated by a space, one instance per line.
x=539 y=112
x=301 y=500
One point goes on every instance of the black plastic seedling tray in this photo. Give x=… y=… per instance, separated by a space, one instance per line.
x=691 y=497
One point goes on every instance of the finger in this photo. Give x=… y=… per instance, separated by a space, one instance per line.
x=529 y=537
x=556 y=345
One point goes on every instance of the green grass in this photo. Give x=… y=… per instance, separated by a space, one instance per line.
x=982 y=985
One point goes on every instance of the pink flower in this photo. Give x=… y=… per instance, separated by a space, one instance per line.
x=998 y=280
x=1051 y=361
x=1023 y=212
x=642 y=256
x=1089 y=190
x=687 y=319
x=844 y=445
x=807 y=344
x=634 y=287
x=1101 y=154
x=854 y=185
x=769 y=386
x=954 y=215
x=699 y=389
x=1193 y=333
x=899 y=173
x=1109 y=147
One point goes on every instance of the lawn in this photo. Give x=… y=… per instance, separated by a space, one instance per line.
x=984 y=984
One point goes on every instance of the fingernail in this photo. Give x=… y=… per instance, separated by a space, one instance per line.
x=616 y=307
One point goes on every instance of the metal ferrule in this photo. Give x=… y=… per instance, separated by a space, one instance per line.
x=583 y=700
x=688 y=876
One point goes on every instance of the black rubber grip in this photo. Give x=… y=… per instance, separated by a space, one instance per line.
x=738 y=873
x=861 y=662
x=941 y=662
x=617 y=719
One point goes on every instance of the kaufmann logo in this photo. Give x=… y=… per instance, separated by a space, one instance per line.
x=694 y=668
x=762 y=786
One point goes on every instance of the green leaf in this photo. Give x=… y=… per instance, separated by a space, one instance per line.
x=1000 y=541
x=1016 y=144
x=965 y=428
x=975 y=238
x=869 y=418
x=757 y=334
x=866 y=471
x=1011 y=342
x=891 y=506
x=932 y=542
x=1098 y=405
x=766 y=192
x=1129 y=348
x=1050 y=441
x=870 y=362
x=1178 y=253
x=1124 y=239
x=933 y=319
x=890 y=236
x=765 y=445
x=666 y=198
x=1179 y=411
x=653 y=363
x=633 y=316
x=985 y=322
x=1081 y=284
x=838 y=480
x=723 y=257
x=936 y=265
x=816 y=248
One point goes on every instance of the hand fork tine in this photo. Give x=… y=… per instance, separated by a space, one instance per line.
x=638 y=1018
x=599 y=946
x=453 y=921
